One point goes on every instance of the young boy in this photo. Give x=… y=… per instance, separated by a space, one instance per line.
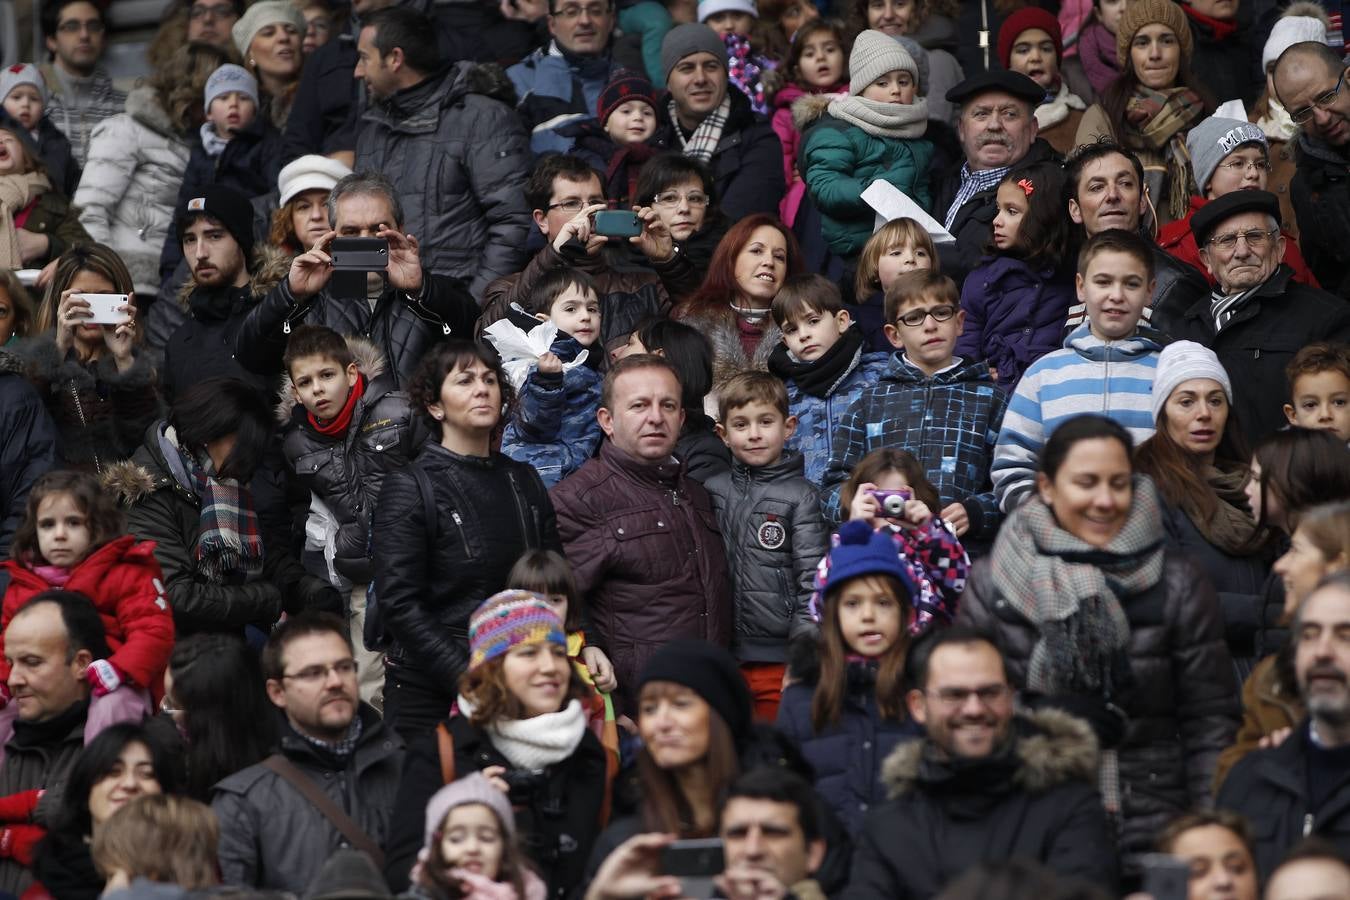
x=1319 y=388
x=348 y=428
x=1106 y=365
x=615 y=142
x=553 y=426
x=769 y=515
x=943 y=409
x=822 y=361
x=23 y=97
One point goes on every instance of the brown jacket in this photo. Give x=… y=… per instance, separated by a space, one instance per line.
x=1266 y=708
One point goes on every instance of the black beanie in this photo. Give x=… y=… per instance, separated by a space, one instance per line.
x=710 y=672
x=228 y=207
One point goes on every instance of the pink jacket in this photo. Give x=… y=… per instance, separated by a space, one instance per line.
x=791 y=138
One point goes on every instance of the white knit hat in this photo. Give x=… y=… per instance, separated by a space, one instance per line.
x=1301 y=22
x=874 y=54
x=22 y=73
x=259 y=16
x=307 y=173
x=708 y=8
x=1182 y=361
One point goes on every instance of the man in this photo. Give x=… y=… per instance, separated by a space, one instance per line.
x=716 y=126
x=1106 y=190
x=453 y=151
x=1227 y=52
x=80 y=93
x=210 y=21
x=773 y=839
x=561 y=83
x=565 y=193
x=1257 y=317
x=1312 y=871
x=403 y=310
x=998 y=133
x=1308 y=80
x=994 y=785
x=272 y=835
x=641 y=535
x=51 y=643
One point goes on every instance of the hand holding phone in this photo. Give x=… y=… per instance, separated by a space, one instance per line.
x=617 y=223
x=696 y=863
x=106 y=309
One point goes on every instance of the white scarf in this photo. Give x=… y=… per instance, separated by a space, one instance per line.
x=1052 y=112
x=539 y=741
x=1277 y=124
x=903 y=121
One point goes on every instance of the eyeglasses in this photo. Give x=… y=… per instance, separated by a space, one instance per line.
x=915 y=317
x=1256 y=239
x=1303 y=115
x=673 y=198
x=954 y=696
x=75 y=26
x=346 y=668
x=1241 y=166
x=218 y=11
x=576 y=204
x=592 y=11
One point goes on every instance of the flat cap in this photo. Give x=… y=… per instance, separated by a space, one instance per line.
x=1207 y=219
x=1014 y=83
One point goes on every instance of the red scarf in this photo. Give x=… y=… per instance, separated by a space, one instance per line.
x=1222 y=30
x=337 y=426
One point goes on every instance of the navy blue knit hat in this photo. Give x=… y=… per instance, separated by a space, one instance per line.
x=708 y=671
x=859 y=550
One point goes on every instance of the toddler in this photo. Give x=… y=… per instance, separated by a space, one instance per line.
x=749 y=69
x=615 y=142
x=23 y=97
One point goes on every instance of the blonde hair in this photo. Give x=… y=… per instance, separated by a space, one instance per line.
x=162 y=838
x=180 y=83
x=895 y=233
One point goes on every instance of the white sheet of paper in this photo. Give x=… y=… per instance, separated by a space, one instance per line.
x=892 y=203
x=1232 y=109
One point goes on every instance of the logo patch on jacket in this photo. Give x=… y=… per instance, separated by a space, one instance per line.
x=772 y=535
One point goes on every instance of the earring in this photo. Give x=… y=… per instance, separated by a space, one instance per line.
x=438 y=416
x=253 y=62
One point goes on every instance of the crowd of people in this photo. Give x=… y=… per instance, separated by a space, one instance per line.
x=508 y=451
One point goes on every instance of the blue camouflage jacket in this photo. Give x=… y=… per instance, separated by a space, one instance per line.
x=819 y=417
x=553 y=426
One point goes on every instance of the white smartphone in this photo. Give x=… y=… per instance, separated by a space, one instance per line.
x=107 y=308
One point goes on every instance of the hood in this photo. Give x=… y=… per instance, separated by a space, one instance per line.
x=1051 y=747
x=900 y=370
x=809 y=108
x=130 y=481
x=791 y=463
x=417 y=109
x=1087 y=345
x=369 y=361
x=143 y=106
x=937 y=33
x=270 y=265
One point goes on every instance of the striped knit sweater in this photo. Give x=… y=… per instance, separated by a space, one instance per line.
x=1088 y=375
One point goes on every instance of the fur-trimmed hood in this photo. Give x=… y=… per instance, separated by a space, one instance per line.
x=143 y=106
x=130 y=481
x=1052 y=747
x=270 y=265
x=369 y=361
x=808 y=108
x=729 y=356
x=11 y=363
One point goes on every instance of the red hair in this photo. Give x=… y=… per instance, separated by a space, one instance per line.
x=719 y=286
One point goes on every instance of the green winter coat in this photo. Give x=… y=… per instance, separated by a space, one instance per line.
x=839 y=160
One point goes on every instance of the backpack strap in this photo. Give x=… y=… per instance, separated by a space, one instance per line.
x=311 y=791
x=445 y=749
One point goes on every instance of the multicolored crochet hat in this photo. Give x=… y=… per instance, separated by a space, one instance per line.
x=509 y=619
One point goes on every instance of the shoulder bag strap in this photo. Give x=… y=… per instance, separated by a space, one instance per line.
x=445 y=748
x=324 y=804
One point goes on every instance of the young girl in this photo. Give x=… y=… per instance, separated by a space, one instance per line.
x=74 y=538
x=1097 y=44
x=875 y=132
x=899 y=246
x=815 y=65
x=1017 y=300
x=751 y=60
x=470 y=848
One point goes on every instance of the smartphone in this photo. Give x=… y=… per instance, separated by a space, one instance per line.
x=1165 y=877
x=107 y=309
x=356 y=254
x=696 y=863
x=617 y=223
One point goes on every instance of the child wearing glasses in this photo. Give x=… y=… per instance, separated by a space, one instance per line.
x=1017 y=299
x=943 y=409
x=1105 y=367
x=1226 y=155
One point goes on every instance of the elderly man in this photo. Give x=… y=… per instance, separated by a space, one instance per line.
x=716 y=126
x=1257 y=317
x=998 y=132
x=1309 y=79
x=641 y=535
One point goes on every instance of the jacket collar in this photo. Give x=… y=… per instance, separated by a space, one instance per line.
x=901 y=371
x=417 y=109
x=664 y=476
x=1274 y=286
x=373 y=732
x=1286 y=768
x=792 y=463
x=1087 y=345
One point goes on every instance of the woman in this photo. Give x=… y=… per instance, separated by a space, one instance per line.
x=684 y=195
x=215 y=695
x=303 y=188
x=137 y=160
x=1197 y=462
x=1153 y=103
x=183 y=489
x=1097 y=615
x=930 y=23
x=448 y=529
x=124 y=762
x=268 y=36
x=163 y=840
x=1217 y=846
x=16 y=309
x=97 y=382
x=37 y=222
x=520 y=719
x=732 y=306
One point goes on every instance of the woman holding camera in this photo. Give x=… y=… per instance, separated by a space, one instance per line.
x=520 y=719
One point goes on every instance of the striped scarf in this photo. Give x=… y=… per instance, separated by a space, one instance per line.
x=703 y=142
x=1223 y=307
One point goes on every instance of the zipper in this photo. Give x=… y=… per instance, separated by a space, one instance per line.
x=463 y=538
x=1307 y=824
x=79 y=411
x=525 y=531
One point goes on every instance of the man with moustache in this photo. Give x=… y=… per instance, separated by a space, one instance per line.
x=1301 y=788
x=993 y=784
x=272 y=835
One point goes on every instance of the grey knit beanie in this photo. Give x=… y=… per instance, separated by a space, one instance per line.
x=920 y=55
x=874 y=54
x=473 y=788
x=1213 y=139
x=686 y=40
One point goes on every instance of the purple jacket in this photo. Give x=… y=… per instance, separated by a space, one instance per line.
x=1014 y=316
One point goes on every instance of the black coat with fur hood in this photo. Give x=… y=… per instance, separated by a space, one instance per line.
x=1035 y=798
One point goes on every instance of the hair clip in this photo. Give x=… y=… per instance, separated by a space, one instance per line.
x=1027 y=187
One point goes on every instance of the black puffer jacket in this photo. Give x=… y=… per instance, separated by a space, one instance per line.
x=28 y=448
x=558 y=813
x=347 y=473
x=1035 y=798
x=431 y=576
x=459 y=155
x=1183 y=710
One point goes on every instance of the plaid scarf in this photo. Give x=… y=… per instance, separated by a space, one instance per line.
x=342 y=748
x=706 y=136
x=1159 y=121
x=229 y=545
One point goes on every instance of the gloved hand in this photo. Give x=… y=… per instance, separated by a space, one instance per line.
x=19 y=807
x=17 y=842
x=104 y=677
